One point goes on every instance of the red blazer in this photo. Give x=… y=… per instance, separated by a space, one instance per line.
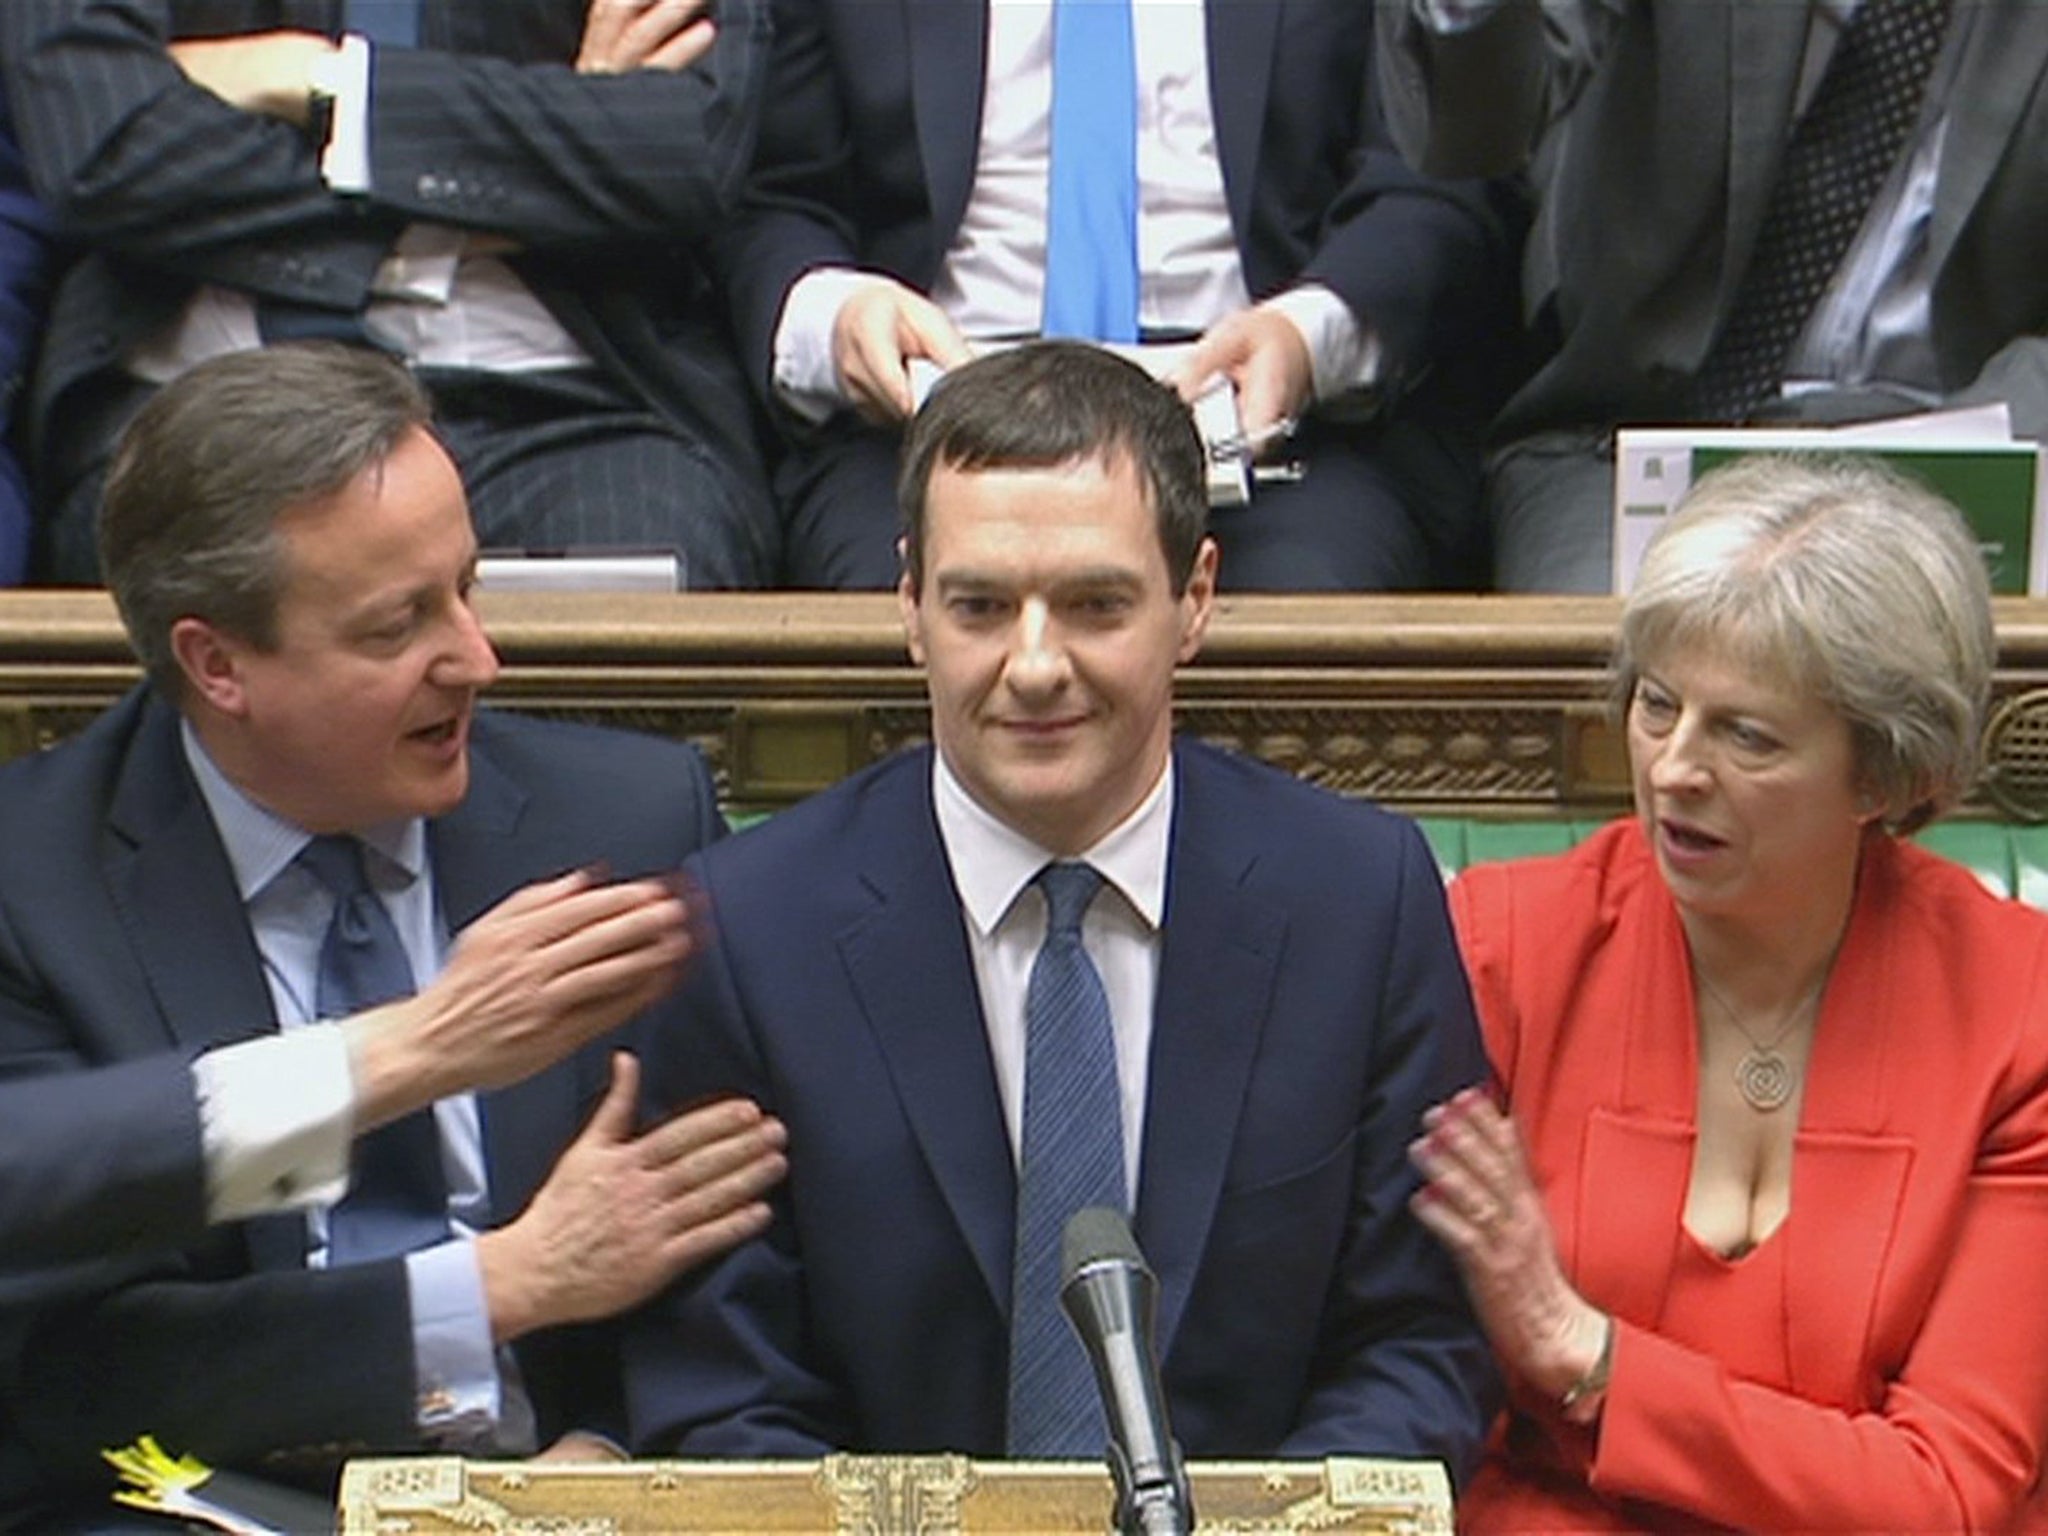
x=1915 y=1328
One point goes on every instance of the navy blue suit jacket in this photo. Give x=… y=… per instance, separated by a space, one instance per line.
x=867 y=156
x=1310 y=1006
x=122 y=935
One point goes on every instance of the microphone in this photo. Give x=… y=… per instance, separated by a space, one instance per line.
x=1110 y=1296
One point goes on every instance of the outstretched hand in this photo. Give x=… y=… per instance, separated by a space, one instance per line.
x=622 y=1214
x=1481 y=1202
x=551 y=968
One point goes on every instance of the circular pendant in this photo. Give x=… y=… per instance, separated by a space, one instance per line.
x=1764 y=1079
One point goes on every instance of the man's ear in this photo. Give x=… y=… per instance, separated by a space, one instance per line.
x=211 y=661
x=1198 y=600
x=913 y=616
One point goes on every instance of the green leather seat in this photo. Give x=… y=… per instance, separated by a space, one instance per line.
x=2011 y=860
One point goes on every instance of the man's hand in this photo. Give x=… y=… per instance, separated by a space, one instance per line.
x=550 y=968
x=622 y=1215
x=1263 y=353
x=269 y=73
x=876 y=333
x=622 y=35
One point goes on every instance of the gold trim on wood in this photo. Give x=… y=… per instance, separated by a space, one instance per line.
x=852 y=1495
x=1448 y=705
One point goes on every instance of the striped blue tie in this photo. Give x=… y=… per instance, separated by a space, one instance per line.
x=1091 y=235
x=1073 y=1157
x=397 y=1198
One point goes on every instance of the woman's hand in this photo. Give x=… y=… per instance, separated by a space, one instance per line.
x=1481 y=1203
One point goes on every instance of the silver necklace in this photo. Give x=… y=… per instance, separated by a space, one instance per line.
x=1764 y=1077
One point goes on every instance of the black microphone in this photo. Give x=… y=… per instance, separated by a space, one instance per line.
x=1110 y=1297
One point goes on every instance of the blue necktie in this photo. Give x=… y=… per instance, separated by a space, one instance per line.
x=1073 y=1157
x=398 y=1199
x=1091 y=237
x=387 y=23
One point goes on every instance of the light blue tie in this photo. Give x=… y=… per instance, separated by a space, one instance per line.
x=1091 y=240
x=388 y=23
x=1073 y=1157
x=397 y=1199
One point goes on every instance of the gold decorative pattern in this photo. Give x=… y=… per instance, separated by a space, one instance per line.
x=881 y=1495
x=873 y=1496
x=1449 y=705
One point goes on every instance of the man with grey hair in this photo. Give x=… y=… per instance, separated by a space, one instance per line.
x=303 y=815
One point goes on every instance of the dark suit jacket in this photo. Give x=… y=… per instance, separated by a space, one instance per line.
x=24 y=275
x=98 y=1162
x=603 y=181
x=1675 y=114
x=1310 y=1006
x=121 y=934
x=867 y=158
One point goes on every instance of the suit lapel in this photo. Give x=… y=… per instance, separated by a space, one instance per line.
x=913 y=978
x=1994 y=87
x=175 y=894
x=948 y=68
x=1217 y=966
x=1240 y=42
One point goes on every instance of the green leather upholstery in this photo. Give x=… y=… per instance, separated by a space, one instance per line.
x=2011 y=860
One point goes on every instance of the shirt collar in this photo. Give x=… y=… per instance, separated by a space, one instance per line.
x=992 y=862
x=262 y=845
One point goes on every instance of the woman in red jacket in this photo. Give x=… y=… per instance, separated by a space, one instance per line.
x=1765 y=1250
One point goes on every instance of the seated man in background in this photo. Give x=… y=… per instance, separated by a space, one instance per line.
x=439 y=183
x=1257 y=995
x=24 y=279
x=935 y=176
x=1783 y=214
x=301 y=815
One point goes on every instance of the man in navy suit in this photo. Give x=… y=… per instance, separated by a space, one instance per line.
x=292 y=554
x=898 y=211
x=1279 y=974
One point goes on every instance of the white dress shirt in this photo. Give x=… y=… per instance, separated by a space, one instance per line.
x=993 y=867
x=991 y=283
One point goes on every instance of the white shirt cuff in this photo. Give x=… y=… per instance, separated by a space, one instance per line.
x=1447 y=18
x=344 y=78
x=1344 y=353
x=276 y=1118
x=454 y=1364
x=806 y=379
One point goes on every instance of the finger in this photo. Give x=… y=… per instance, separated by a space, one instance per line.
x=537 y=896
x=595 y=999
x=1446 y=1225
x=722 y=1175
x=596 y=925
x=657 y=23
x=932 y=334
x=603 y=24
x=867 y=356
x=692 y=1246
x=708 y=1199
x=684 y=1132
x=613 y=1120
x=1203 y=368
x=685 y=48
